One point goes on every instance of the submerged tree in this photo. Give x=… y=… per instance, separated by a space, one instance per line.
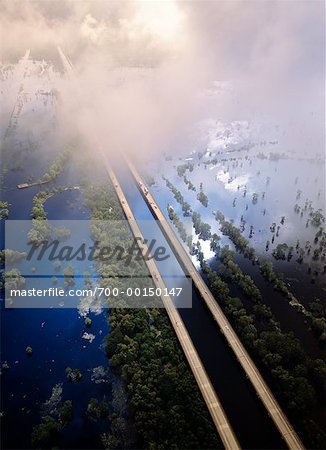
x=46 y=434
x=29 y=351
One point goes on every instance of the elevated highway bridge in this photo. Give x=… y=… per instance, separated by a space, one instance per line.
x=213 y=403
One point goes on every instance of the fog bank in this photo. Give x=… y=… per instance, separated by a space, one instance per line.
x=145 y=72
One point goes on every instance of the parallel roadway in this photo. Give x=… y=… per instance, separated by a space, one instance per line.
x=212 y=401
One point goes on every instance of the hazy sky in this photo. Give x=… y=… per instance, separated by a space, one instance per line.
x=272 y=52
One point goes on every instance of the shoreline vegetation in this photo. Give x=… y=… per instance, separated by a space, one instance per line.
x=298 y=381
x=52 y=173
x=4 y=210
x=41 y=230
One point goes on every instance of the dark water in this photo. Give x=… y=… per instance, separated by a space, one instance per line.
x=290 y=319
x=246 y=413
x=56 y=338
